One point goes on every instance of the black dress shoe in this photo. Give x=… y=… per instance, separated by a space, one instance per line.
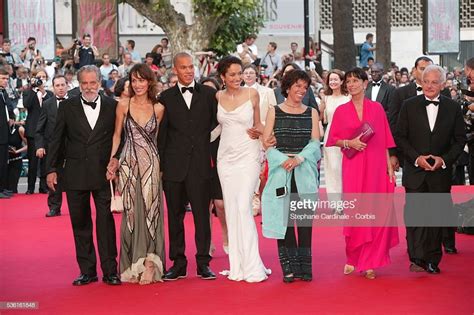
x=53 y=213
x=205 y=273
x=8 y=192
x=450 y=250
x=29 y=192
x=432 y=268
x=112 y=279
x=84 y=279
x=43 y=191
x=4 y=196
x=175 y=273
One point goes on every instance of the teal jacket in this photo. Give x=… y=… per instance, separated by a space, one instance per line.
x=275 y=210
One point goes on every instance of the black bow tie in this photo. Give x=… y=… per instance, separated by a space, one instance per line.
x=60 y=98
x=190 y=89
x=375 y=84
x=419 y=88
x=91 y=104
x=428 y=102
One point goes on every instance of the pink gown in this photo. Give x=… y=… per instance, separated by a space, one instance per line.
x=366 y=247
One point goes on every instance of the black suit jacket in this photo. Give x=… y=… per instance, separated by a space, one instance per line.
x=31 y=103
x=46 y=123
x=414 y=138
x=183 y=139
x=87 y=152
x=384 y=95
x=5 y=106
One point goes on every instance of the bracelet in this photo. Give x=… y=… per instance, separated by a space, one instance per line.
x=346 y=146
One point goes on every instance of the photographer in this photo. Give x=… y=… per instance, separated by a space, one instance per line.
x=30 y=53
x=33 y=100
x=85 y=52
x=272 y=60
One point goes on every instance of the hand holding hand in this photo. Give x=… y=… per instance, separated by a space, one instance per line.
x=254 y=133
x=423 y=163
x=438 y=162
x=269 y=142
x=41 y=152
x=395 y=163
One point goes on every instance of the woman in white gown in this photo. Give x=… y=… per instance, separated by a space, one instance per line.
x=335 y=95
x=238 y=166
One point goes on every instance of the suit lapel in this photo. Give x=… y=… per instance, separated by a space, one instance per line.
x=441 y=112
x=179 y=97
x=423 y=114
x=380 y=96
x=54 y=109
x=81 y=116
x=195 y=99
x=368 y=92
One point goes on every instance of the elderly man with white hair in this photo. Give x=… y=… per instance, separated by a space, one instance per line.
x=430 y=132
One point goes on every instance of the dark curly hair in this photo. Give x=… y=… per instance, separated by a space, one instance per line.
x=143 y=71
x=226 y=62
x=120 y=86
x=356 y=73
x=213 y=80
x=291 y=77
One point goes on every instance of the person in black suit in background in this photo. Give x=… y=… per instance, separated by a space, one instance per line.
x=33 y=100
x=44 y=134
x=378 y=90
x=190 y=113
x=83 y=138
x=6 y=114
x=430 y=133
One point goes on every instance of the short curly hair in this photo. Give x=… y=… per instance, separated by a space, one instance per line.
x=291 y=77
x=226 y=62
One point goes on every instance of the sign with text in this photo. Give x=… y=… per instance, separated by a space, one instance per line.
x=32 y=18
x=441 y=26
x=99 y=19
x=286 y=17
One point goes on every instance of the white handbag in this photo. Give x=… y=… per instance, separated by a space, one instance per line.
x=116 y=202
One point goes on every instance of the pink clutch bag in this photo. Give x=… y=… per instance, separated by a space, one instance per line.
x=366 y=131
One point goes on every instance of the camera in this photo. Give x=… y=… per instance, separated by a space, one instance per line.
x=78 y=42
x=36 y=82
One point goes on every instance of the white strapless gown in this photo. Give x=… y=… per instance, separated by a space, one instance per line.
x=238 y=166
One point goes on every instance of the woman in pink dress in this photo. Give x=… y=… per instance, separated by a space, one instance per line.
x=369 y=171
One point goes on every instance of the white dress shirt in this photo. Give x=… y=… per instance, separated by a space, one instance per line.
x=188 y=96
x=375 y=91
x=92 y=114
x=432 y=112
x=418 y=92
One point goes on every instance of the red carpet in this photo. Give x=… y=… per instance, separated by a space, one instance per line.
x=37 y=264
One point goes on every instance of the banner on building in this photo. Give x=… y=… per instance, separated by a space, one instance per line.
x=32 y=18
x=441 y=26
x=99 y=19
x=286 y=17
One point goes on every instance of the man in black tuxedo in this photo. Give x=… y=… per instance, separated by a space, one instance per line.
x=190 y=113
x=33 y=100
x=6 y=112
x=44 y=134
x=378 y=90
x=82 y=141
x=431 y=135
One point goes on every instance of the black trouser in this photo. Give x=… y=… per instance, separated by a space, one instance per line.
x=424 y=242
x=80 y=211
x=196 y=190
x=33 y=162
x=303 y=228
x=55 y=198
x=3 y=166
x=14 y=172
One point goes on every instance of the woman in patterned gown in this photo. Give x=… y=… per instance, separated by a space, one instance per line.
x=142 y=253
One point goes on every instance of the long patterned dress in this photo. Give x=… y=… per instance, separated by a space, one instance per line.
x=142 y=235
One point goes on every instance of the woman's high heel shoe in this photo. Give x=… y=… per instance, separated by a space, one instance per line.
x=370 y=274
x=348 y=269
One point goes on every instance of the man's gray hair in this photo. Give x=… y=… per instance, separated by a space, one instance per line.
x=89 y=68
x=435 y=68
